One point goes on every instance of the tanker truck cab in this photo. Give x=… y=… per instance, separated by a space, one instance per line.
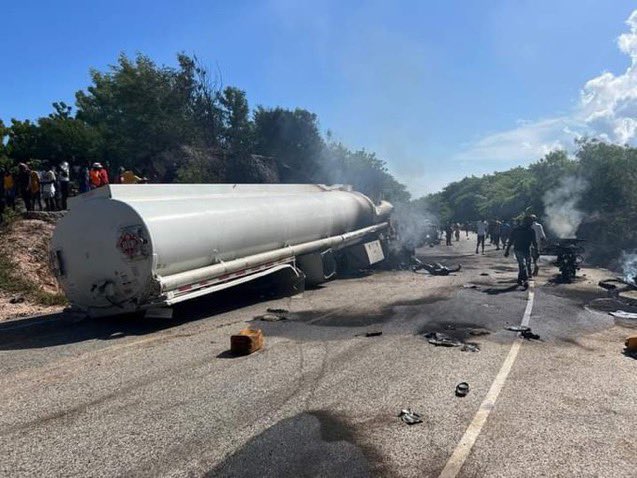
x=130 y=248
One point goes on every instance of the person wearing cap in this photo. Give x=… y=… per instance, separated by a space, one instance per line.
x=95 y=178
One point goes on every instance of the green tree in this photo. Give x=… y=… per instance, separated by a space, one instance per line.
x=292 y=138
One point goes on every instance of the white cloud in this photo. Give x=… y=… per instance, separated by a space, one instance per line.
x=607 y=109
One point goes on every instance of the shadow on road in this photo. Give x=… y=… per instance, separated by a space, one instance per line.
x=63 y=329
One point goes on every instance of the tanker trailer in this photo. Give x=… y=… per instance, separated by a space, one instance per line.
x=129 y=248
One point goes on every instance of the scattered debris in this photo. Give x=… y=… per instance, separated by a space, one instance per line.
x=470 y=286
x=278 y=311
x=247 y=341
x=518 y=328
x=436 y=269
x=462 y=389
x=16 y=299
x=479 y=332
x=528 y=335
x=409 y=417
x=470 y=347
x=443 y=340
x=484 y=274
x=374 y=333
x=621 y=314
x=271 y=317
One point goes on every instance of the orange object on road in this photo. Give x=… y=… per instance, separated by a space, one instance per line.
x=631 y=343
x=247 y=341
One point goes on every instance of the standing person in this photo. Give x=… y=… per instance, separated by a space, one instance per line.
x=448 y=233
x=36 y=196
x=103 y=176
x=85 y=180
x=23 y=185
x=466 y=228
x=523 y=240
x=9 y=188
x=95 y=178
x=48 y=188
x=505 y=233
x=540 y=238
x=65 y=178
x=495 y=238
x=456 y=231
x=481 y=228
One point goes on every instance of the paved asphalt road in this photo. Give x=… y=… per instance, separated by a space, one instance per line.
x=141 y=397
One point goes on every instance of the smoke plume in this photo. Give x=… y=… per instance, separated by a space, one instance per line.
x=412 y=224
x=560 y=206
x=629 y=268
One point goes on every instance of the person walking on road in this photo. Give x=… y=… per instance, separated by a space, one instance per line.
x=466 y=228
x=481 y=228
x=505 y=233
x=495 y=235
x=523 y=240
x=448 y=233
x=540 y=238
x=456 y=231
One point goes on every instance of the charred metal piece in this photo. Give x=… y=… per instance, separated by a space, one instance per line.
x=436 y=269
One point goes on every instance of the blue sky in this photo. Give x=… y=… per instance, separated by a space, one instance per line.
x=439 y=90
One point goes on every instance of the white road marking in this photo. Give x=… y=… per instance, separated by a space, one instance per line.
x=460 y=454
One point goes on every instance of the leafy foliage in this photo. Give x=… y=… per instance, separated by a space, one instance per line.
x=609 y=200
x=178 y=124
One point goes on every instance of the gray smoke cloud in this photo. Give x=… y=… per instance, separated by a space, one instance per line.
x=560 y=206
x=412 y=224
x=629 y=267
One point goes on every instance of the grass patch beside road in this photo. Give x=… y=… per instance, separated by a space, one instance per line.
x=13 y=283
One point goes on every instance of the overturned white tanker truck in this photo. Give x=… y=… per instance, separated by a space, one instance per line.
x=129 y=248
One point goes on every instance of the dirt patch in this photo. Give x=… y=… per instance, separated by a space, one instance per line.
x=27 y=285
x=26 y=245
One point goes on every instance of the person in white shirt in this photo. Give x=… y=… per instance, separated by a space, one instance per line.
x=540 y=238
x=481 y=228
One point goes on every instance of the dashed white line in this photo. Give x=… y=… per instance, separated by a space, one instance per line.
x=460 y=454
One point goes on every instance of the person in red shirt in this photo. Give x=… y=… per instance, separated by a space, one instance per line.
x=98 y=176
x=103 y=176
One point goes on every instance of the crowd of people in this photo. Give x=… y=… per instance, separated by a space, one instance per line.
x=48 y=188
x=526 y=236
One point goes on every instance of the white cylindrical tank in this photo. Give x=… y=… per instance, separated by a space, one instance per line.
x=122 y=247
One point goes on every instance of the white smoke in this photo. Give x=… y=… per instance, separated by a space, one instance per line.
x=629 y=268
x=560 y=206
x=412 y=224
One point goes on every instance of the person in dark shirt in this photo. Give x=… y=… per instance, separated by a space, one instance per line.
x=522 y=238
